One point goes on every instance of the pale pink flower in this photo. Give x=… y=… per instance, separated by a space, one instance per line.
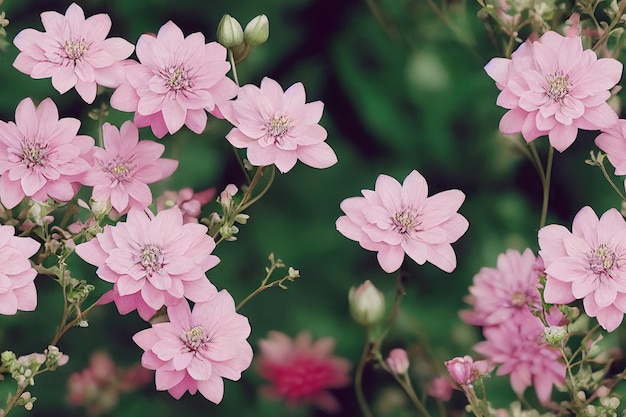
x=302 y=371
x=588 y=263
x=73 y=51
x=152 y=261
x=521 y=351
x=441 y=388
x=552 y=87
x=41 y=155
x=125 y=166
x=613 y=142
x=177 y=80
x=510 y=289
x=464 y=370
x=278 y=127
x=395 y=219
x=189 y=203
x=17 y=276
x=398 y=361
x=197 y=348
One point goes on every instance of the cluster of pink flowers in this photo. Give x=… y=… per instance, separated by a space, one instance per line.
x=504 y=302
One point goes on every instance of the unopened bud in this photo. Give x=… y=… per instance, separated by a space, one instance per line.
x=257 y=30
x=367 y=304
x=398 y=361
x=229 y=32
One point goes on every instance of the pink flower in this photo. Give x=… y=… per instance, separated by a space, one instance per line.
x=395 y=219
x=519 y=348
x=73 y=51
x=196 y=349
x=398 y=361
x=613 y=142
x=588 y=263
x=152 y=261
x=17 y=276
x=278 y=127
x=464 y=371
x=511 y=289
x=552 y=87
x=441 y=388
x=301 y=371
x=189 y=203
x=124 y=168
x=40 y=155
x=177 y=80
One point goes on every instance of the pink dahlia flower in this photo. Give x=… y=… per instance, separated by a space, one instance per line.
x=152 y=261
x=395 y=219
x=17 y=276
x=588 y=263
x=278 y=127
x=41 y=155
x=73 y=51
x=613 y=142
x=521 y=351
x=510 y=289
x=552 y=87
x=125 y=166
x=302 y=371
x=177 y=80
x=197 y=348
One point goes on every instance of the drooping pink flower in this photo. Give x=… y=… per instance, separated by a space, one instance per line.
x=197 y=348
x=552 y=87
x=17 y=276
x=302 y=371
x=464 y=370
x=125 y=166
x=177 y=80
x=278 y=127
x=398 y=361
x=189 y=203
x=152 y=261
x=521 y=351
x=588 y=263
x=510 y=289
x=613 y=142
x=73 y=51
x=41 y=155
x=395 y=219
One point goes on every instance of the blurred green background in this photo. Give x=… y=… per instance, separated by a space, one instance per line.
x=402 y=91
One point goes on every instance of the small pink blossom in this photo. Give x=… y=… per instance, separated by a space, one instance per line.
x=278 y=127
x=197 y=348
x=177 y=80
x=613 y=142
x=125 y=166
x=398 y=361
x=41 y=155
x=189 y=203
x=441 y=388
x=464 y=371
x=73 y=51
x=302 y=371
x=510 y=289
x=395 y=219
x=152 y=261
x=17 y=276
x=588 y=263
x=552 y=87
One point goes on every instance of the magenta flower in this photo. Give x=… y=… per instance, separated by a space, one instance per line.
x=152 y=261
x=510 y=289
x=40 y=155
x=302 y=371
x=73 y=51
x=124 y=168
x=278 y=127
x=521 y=351
x=613 y=142
x=588 y=263
x=197 y=348
x=177 y=80
x=395 y=219
x=552 y=87
x=17 y=276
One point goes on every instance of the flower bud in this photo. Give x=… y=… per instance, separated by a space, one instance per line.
x=229 y=32
x=367 y=304
x=398 y=361
x=257 y=30
x=464 y=371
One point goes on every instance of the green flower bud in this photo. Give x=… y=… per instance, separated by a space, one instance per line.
x=229 y=32
x=367 y=304
x=257 y=30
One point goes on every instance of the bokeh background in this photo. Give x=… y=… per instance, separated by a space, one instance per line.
x=403 y=90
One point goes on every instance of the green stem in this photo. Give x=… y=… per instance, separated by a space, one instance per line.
x=358 y=379
x=546 y=188
x=610 y=181
x=405 y=384
x=231 y=58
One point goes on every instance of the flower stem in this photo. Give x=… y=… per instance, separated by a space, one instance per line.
x=546 y=188
x=231 y=58
x=358 y=378
x=405 y=384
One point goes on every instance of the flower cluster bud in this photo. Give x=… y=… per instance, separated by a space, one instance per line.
x=229 y=32
x=54 y=358
x=257 y=30
x=24 y=368
x=26 y=400
x=555 y=335
x=367 y=304
x=239 y=41
x=225 y=223
x=464 y=371
x=398 y=361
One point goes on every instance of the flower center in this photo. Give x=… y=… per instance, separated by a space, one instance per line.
x=278 y=127
x=405 y=221
x=34 y=153
x=602 y=260
x=195 y=338
x=559 y=87
x=518 y=299
x=75 y=49
x=177 y=78
x=120 y=169
x=152 y=259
